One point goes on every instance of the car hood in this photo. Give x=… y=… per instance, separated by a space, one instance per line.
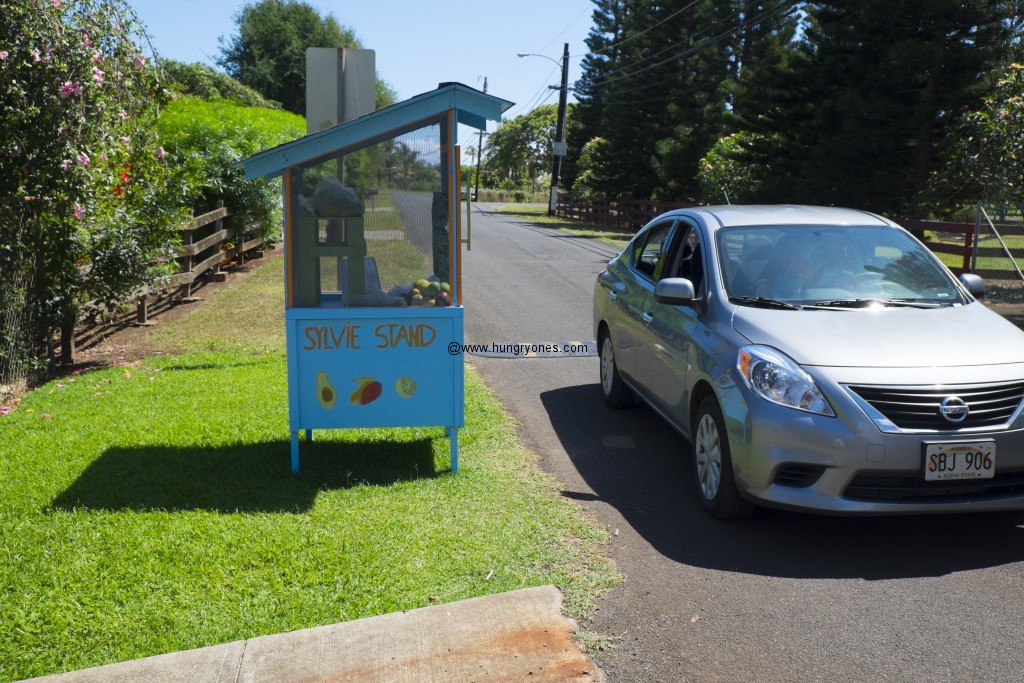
x=885 y=337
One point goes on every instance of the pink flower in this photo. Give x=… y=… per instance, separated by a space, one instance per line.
x=82 y=159
x=56 y=4
x=87 y=40
x=97 y=76
x=127 y=141
x=98 y=57
x=140 y=61
x=36 y=58
x=159 y=152
x=174 y=95
x=66 y=164
x=123 y=114
x=70 y=88
x=3 y=55
x=78 y=211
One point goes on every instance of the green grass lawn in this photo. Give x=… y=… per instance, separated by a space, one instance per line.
x=149 y=508
x=538 y=213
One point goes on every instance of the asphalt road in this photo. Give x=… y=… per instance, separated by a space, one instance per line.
x=777 y=597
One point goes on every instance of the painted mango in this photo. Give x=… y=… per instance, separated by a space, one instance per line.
x=369 y=391
x=325 y=393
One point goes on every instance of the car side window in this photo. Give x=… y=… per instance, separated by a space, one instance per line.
x=690 y=263
x=650 y=256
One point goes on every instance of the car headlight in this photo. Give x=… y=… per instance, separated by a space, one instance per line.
x=776 y=377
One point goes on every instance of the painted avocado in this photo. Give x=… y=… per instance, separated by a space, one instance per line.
x=325 y=393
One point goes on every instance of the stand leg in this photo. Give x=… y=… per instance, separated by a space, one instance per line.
x=295 y=452
x=453 y=440
x=309 y=435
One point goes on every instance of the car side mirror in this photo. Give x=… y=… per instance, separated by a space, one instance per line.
x=675 y=291
x=974 y=284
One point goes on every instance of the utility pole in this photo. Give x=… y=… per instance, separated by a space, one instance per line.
x=559 y=146
x=479 y=150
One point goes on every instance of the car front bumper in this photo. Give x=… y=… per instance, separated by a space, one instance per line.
x=846 y=465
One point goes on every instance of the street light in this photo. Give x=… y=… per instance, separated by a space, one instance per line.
x=559 y=146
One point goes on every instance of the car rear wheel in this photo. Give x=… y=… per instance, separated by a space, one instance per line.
x=616 y=393
x=713 y=465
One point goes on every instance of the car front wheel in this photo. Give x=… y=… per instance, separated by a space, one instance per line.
x=616 y=393
x=713 y=465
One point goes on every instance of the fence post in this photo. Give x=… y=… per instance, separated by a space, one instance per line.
x=142 y=310
x=186 y=266
x=67 y=335
x=977 y=237
x=968 y=247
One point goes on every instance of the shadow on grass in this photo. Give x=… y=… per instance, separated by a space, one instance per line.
x=242 y=477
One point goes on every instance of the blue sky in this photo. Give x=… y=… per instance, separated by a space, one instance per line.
x=418 y=44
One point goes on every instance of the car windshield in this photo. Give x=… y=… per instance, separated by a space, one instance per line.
x=831 y=266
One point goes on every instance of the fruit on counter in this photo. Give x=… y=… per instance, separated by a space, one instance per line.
x=405 y=387
x=425 y=292
x=325 y=392
x=369 y=391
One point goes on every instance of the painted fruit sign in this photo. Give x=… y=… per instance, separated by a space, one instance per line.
x=373 y=368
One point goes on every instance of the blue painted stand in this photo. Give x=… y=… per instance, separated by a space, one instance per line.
x=380 y=367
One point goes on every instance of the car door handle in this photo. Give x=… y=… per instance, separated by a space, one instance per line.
x=647 y=318
x=612 y=294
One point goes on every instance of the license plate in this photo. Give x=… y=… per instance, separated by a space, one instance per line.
x=946 y=461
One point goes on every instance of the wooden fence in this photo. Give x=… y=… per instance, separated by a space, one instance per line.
x=948 y=238
x=207 y=247
x=627 y=214
x=956 y=238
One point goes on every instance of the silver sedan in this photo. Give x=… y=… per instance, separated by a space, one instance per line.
x=818 y=359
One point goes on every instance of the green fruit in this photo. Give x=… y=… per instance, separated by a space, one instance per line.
x=431 y=290
x=405 y=387
x=445 y=287
x=325 y=393
x=422 y=283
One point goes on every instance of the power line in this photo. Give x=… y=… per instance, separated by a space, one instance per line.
x=767 y=14
x=536 y=96
x=693 y=37
x=637 y=35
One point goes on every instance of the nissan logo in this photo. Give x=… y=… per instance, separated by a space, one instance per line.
x=954 y=409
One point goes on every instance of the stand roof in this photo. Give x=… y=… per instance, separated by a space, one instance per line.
x=471 y=107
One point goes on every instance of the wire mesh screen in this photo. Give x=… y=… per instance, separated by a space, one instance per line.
x=20 y=304
x=999 y=254
x=374 y=225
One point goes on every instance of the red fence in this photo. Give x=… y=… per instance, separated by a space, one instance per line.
x=948 y=238
x=941 y=237
x=627 y=214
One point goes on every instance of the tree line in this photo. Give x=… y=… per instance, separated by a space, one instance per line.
x=887 y=105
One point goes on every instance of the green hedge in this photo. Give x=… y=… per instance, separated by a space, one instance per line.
x=203 y=138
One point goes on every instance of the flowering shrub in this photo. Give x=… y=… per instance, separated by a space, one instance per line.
x=723 y=174
x=985 y=159
x=84 y=192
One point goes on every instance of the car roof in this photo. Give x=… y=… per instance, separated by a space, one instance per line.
x=733 y=215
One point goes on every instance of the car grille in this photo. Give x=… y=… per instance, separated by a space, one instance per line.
x=917 y=407
x=910 y=488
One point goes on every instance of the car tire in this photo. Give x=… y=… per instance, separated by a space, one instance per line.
x=615 y=392
x=712 y=459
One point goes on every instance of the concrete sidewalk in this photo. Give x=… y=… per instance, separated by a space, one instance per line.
x=515 y=636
